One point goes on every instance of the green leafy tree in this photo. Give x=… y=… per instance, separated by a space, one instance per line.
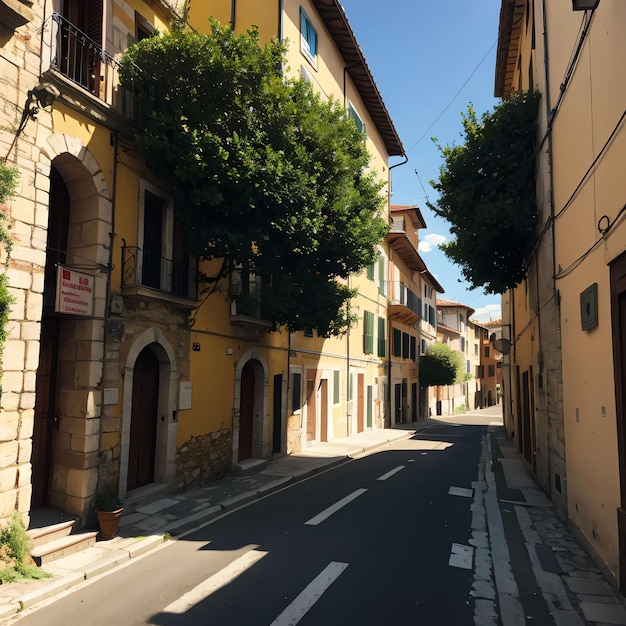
x=487 y=193
x=268 y=177
x=441 y=366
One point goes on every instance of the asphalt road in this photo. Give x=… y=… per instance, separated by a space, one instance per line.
x=382 y=540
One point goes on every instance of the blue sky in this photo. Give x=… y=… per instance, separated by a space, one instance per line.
x=429 y=60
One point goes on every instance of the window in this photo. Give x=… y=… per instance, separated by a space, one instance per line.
x=499 y=365
x=428 y=291
x=370 y=271
x=164 y=261
x=336 y=390
x=382 y=283
x=143 y=28
x=413 y=348
x=308 y=38
x=397 y=342
x=296 y=390
x=350 y=386
x=405 y=346
x=368 y=332
x=382 y=337
x=353 y=115
x=431 y=316
x=475 y=349
x=492 y=370
x=486 y=352
x=462 y=344
x=423 y=346
x=468 y=367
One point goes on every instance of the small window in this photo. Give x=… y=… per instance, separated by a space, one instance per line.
x=143 y=28
x=413 y=349
x=486 y=352
x=308 y=38
x=371 y=268
x=350 y=386
x=423 y=346
x=492 y=370
x=462 y=344
x=353 y=115
x=406 y=346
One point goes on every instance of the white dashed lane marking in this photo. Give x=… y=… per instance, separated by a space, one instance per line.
x=395 y=470
x=311 y=594
x=318 y=519
x=461 y=491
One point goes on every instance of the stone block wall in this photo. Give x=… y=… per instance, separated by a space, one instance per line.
x=204 y=458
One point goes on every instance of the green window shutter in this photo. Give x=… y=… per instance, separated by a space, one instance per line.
x=368 y=332
x=370 y=271
x=336 y=390
x=382 y=337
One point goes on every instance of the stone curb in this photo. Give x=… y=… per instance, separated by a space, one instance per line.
x=54 y=588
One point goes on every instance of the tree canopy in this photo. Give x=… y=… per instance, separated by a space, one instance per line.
x=441 y=366
x=267 y=175
x=487 y=193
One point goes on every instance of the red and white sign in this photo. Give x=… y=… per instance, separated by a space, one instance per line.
x=74 y=292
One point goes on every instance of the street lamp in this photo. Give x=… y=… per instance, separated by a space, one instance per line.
x=584 y=5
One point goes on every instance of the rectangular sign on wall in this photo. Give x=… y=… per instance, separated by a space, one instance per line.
x=74 y=292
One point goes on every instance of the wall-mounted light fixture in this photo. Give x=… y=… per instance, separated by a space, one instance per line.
x=40 y=97
x=585 y=5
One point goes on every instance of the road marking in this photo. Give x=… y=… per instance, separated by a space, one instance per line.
x=311 y=594
x=391 y=473
x=215 y=582
x=461 y=491
x=314 y=521
x=461 y=556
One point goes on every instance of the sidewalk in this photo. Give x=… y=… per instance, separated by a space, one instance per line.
x=555 y=580
x=150 y=526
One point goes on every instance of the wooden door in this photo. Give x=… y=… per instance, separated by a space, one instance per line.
x=46 y=389
x=311 y=407
x=618 y=319
x=360 y=403
x=45 y=410
x=324 y=410
x=246 y=412
x=277 y=414
x=144 y=420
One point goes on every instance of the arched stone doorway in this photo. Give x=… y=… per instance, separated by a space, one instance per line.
x=149 y=413
x=67 y=409
x=251 y=432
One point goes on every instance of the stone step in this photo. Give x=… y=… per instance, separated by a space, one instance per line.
x=45 y=534
x=63 y=546
x=249 y=466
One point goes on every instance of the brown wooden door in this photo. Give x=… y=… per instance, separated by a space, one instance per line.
x=618 y=314
x=45 y=410
x=143 y=421
x=246 y=412
x=360 y=403
x=324 y=410
x=311 y=407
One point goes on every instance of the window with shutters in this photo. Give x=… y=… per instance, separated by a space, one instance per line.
x=382 y=337
x=336 y=388
x=296 y=392
x=396 y=348
x=308 y=38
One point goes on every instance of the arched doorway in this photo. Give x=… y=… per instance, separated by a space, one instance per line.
x=246 y=415
x=46 y=386
x=144 y=420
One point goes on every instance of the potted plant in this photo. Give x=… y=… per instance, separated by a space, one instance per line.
x=109 y=509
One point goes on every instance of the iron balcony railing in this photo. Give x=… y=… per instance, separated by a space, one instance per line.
x=147 y=269
x=73 y=54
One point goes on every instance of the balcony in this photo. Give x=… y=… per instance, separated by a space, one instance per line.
x=404 y=305
x=245 y=306
x=152 y=276
x=86 y=75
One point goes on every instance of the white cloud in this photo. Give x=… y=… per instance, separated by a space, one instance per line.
x=430 y=241
x=488 y=313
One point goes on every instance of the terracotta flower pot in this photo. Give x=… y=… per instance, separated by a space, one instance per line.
x=109 y=522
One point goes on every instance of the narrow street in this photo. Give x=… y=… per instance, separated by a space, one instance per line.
x=383 y=539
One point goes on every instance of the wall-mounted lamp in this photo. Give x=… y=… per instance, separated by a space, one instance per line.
x=585 y=5
x=40 y=97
